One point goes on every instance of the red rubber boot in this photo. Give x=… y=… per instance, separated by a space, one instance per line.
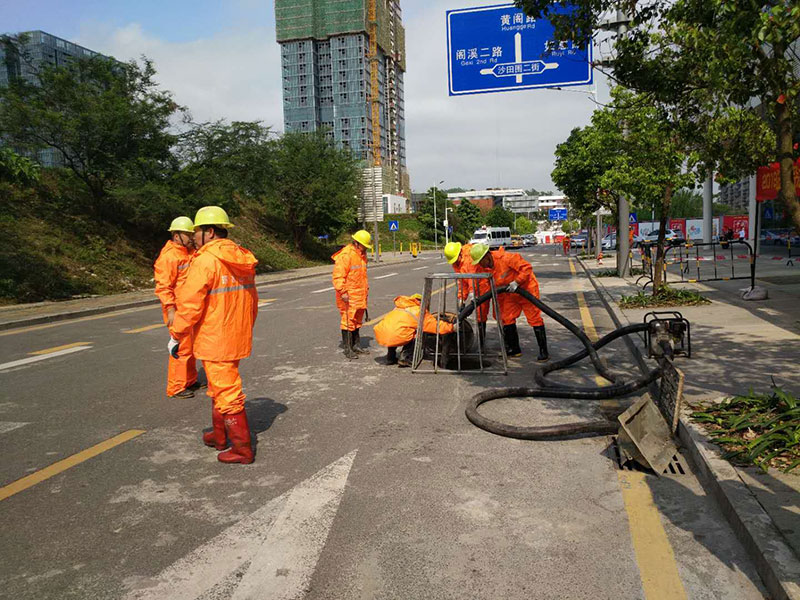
x=216 y=437
x=239 y=433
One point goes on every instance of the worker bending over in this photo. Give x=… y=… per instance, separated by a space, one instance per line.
x=352 y=290
x=459 y=257
x=169 y=270
x=510 y=269
x=217 y=305
x=399 y=328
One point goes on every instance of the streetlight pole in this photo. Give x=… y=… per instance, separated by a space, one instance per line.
x=435 y=219
x=447 y=210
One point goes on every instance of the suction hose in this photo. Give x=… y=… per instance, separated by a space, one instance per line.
x=548 y=390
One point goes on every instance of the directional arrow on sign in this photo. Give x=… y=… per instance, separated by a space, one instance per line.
x=269 y=555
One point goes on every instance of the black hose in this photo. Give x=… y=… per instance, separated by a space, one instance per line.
x=549 y=390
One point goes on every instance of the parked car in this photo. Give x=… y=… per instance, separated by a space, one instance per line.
x=577 y=241
x=609 y=242
x=529 y=239
x=671 y=236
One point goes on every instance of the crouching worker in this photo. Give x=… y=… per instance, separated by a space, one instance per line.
x=399 y=329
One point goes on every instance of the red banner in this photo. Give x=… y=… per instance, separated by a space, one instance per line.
x=768 y=181
x=737 y=224
x=678 y=225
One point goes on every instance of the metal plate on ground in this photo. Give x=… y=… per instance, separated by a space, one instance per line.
x=670 y=393
x=645 y=436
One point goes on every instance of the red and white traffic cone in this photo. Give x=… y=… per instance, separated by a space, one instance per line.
x=600 y=259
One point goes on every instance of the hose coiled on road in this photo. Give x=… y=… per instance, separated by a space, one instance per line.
x=547 y=389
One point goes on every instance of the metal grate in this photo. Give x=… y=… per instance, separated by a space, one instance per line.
x=670 y=393
x=677 y=465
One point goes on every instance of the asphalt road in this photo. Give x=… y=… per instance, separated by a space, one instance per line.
x=369 y=482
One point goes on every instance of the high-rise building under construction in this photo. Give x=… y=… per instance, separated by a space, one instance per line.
x=342 y=67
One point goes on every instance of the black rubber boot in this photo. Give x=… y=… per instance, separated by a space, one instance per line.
x=391 y=355
x=512 y=341
x=407 y=355
x=347 y=342
x=357 y=343
x=541 y=339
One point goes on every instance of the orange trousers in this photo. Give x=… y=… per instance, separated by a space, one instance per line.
x=512 y=305
x=181 y=371
x=352 y=318
x=225 y=386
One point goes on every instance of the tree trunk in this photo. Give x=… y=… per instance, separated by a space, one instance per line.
x=299 y=234
x=658 y=269
x=787 y=195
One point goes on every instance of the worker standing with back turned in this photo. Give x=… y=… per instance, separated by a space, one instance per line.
x=218 y=304
x=169 y=269
x=510 y=269
x=459 y=257
x=352 y=290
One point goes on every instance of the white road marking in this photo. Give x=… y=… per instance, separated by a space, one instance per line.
x=328 y=289
x=442 y=263
x=385 y=276
x=268 y=555
x=33 y=359
x=419 y=268
x=6 y=426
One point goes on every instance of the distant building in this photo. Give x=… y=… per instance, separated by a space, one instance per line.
x=394 y=204
x=332 y=81
x=487 y=199
x=40 y=49
x=736 y=195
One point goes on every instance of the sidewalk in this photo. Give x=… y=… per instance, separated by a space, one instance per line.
x=737 y=345
x=18 y=315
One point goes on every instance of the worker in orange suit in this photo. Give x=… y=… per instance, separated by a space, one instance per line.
x=169 y=268
x=399 y=328
x=458 y=256
x=352 y=290
x=511 y=270
x=217 y=306
x=565 y=244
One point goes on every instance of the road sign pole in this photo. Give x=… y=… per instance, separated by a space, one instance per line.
x=394 y=243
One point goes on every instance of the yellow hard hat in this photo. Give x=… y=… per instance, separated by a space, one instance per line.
x=364 y=238
x=181 y=224
x=478 y=252
x=212 y=215
x=452 y=251
x=416 y=296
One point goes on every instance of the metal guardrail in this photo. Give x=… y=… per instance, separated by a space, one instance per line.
x=689 y=257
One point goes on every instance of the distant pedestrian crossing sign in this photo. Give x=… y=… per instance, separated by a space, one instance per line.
x=632 y=218
x=394 y=226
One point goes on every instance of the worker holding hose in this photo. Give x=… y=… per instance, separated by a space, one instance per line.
x=217 y=307
x=352 y=290
x=399 y=329
x=511 y=270
x=459 y=257
x=169 y=269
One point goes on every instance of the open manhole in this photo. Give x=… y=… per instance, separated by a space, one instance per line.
x=677 y=465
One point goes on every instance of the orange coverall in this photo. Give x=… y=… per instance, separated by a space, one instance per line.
x=218 y=305
x=170 y=270
x=508 y=267
x=465 y=287
x=399 y=327
x=350 y=277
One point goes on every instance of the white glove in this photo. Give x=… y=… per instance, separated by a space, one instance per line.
x=172 y=347
x=470 y=298
x=512 y=287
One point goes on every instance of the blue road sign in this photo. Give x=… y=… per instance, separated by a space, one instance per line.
x=558 y=214
x=394 y=226
x=632 y=219
x=768 y=213
x=499 y=48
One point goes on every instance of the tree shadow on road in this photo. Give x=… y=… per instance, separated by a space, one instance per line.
x=261 y=414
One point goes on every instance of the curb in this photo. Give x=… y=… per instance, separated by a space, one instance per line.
x=87 y=312
x=775 y=561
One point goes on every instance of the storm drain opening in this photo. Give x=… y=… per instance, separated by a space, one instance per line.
x=677 y=465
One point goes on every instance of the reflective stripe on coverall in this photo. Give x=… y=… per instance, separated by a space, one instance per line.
x=169 y=272
x=465 y=286
x=350 y=276
x=218 y=304
x=399 y=327
x=508 y=267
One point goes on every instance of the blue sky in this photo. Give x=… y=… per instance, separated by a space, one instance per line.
x=221 y=61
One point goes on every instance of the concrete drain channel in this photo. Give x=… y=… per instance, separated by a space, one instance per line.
x=677 y=465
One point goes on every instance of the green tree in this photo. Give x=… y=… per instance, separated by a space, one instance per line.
x=525 y=225
x=432 y=227
x=470 y=218
x=570 y=226
x=17 y=169
x=105 y=118
x=315 y=185
x=500 y=217
x=689 y=204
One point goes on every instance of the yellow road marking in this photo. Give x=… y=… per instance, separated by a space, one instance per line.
x=657 y=567
x=30 y=480
x=78 y=320
x=266 y=301
x=57 y=348
x=572 y=267
x=146 y=328
x=378 y=319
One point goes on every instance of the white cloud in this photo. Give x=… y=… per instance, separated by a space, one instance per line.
x=503 y=139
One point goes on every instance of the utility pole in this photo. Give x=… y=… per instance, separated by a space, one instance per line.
x=435 y=219
x=708 y=207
